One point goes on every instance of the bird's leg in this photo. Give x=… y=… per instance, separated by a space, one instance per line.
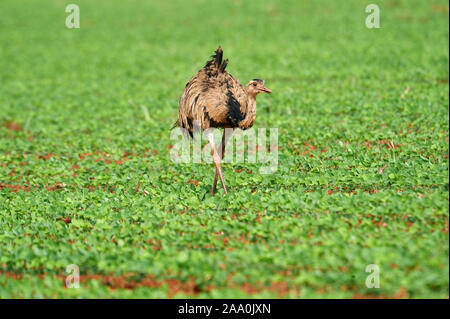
x=217 y=159
x=225 y=137
x=213 y=192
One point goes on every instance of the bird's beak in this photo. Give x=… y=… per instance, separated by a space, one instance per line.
x=266 y=90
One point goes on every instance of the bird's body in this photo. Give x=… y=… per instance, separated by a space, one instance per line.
x=213 y=98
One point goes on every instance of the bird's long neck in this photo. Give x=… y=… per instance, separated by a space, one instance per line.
x=250 y=113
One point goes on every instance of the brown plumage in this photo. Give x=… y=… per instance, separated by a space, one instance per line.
x=213 y=98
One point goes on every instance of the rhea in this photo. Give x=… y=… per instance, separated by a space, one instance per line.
x=213 y=98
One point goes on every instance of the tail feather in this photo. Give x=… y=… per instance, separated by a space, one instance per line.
x=218 y=57
x=217 y=61
x=223 y=66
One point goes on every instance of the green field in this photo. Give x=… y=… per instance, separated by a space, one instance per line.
x=86 y=176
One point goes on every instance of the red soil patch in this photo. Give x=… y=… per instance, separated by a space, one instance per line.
x=12 y=126
x=400 y=294
x=57 y=186
x=193 y=182
x=14 y=188
x=84 y=155
x=132 y=281
x=240 y=170
x=45 y=157
x=226 y=240
x=66 y=219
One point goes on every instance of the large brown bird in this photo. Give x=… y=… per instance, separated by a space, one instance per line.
x=213 y=98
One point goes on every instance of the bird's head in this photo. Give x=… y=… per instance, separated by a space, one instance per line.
x=256 y=86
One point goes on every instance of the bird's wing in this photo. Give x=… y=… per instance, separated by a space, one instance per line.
x=223 y=100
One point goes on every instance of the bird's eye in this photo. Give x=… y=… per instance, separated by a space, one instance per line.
x=254 y=84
